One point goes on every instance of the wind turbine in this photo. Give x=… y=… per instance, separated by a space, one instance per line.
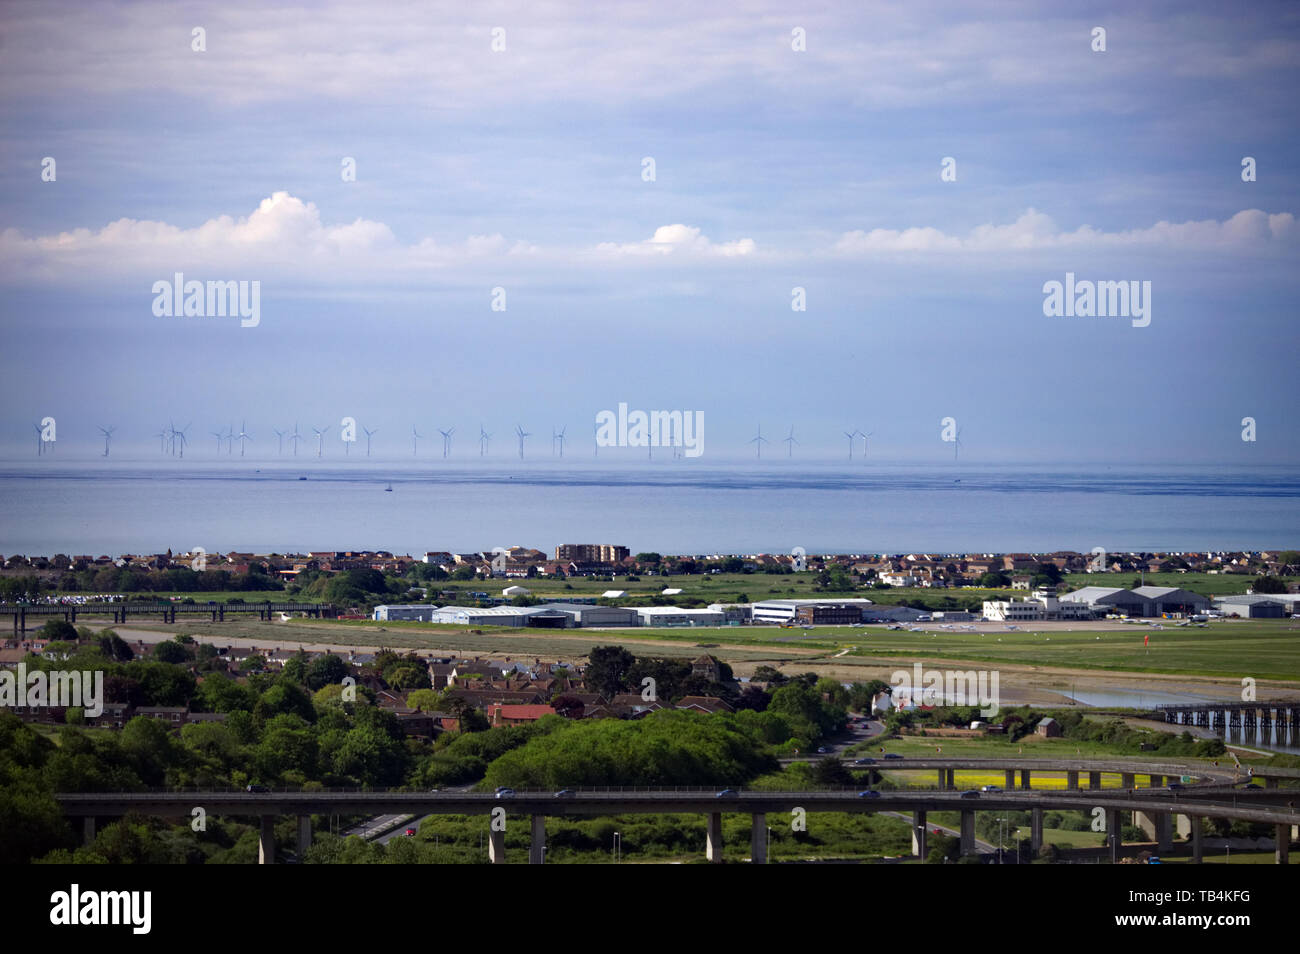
x=162 y=441
x=280 y=436
x=558 y=436
x=220 y=437
x=183 y=439
x=40 y=441
x=369 y=434
x=522 y=434
x=484 y=438
x=107 y=432
x=446 y=440
x=851 y=435
x=865 y=438
x=320 y=439
x=790 y=442
x=956 y=444
x=243 y=436
x=760 y=440
x=596 y=430
x=415 y=442
x=230 y=439
x=295 y=437
x=171 y=438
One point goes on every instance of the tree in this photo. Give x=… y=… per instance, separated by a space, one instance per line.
x=1263 y=584
x=324 y=670
x=61 y=631
x=569 y=706
x=607 y=668
x=170 y=652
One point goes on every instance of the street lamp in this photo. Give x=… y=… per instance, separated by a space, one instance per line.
x=618 y=847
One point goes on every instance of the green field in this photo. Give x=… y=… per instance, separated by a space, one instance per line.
x=1261 y=649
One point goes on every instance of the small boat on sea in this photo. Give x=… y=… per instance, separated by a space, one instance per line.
x=388 y=489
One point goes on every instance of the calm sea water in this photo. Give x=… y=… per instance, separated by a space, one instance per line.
x=115 y=506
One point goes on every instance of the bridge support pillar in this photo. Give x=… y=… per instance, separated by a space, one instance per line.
x=1270 y=783
x=943 y=777
x=304 y=835
x=1024 y=779
x=1035 y=831
x=537 y=847
x=758 y=839
x=1164 y=832
x=919 y=832
x=1113 y=834
x=266 y=841
x=1198 y=844
x=1094 y=780
x=952 y=779
x=1282 y=854
x=967 y=833
x=1072 y=781
x=1157 y=781
x=713 y=838
x=88 y=829
x=1126 y=780
x=496 y=845
x=1011 y=780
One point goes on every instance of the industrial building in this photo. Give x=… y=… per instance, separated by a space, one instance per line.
x=1261 y=606
x=677 y=616
x=1143 y=601
x=412 y=611
x=787 y=611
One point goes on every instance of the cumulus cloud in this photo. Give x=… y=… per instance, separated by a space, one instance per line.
x=1033 y=230
x=679 y=240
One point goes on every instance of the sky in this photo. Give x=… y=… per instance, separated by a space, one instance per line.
x=793 y=147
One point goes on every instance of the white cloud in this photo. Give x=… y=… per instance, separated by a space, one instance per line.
x=679 y=240
x=1250 y=228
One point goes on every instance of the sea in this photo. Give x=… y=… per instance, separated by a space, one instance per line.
x=296 y=504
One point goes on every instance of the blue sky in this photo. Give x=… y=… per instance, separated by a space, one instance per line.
x=775 y=168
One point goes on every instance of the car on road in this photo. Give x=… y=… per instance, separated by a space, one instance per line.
x=868 y=794
x=505 y=793
x=410 y=833
x=727 y=793
x=822 y=750
x=892 y=755
x=257 y=789
x=1175 y=786
x=971 y=794
x=565 y=793
x=864 y=761
x=991 y=788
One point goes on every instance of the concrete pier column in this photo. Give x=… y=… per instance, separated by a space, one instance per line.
x=304 y=835
x=1024 y=779
x=967 y=833
x=1270 y=783
x=1198 y=846
x=1011 y=780
x=713 y=841
x=496 y=846
x=1072 y=781
x=1282 y=854
x=1164 y=832
x=1094 y=780
x=1126 y=779
x=943 y=778
x=920 y=846
x=88 y=829
x=1113 y=834
x=1157 y=781
x=952 y=779
x=1035 y=831
x=758 y=839
x=266 y=841
x=537 y=847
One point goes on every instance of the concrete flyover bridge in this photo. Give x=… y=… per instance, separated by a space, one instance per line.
x=168 y=610
x=1160 y=804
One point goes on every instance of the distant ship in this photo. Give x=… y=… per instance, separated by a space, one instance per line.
x=388 y=489
x=302 y=478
